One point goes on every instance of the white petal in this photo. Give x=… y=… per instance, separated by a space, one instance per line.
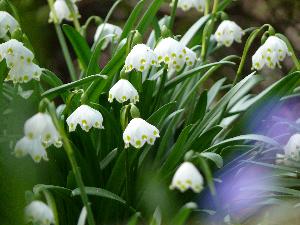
x=39 y=213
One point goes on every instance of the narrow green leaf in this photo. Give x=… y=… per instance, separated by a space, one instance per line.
x=160 y=114
x=216 y=158
x=156 y=218
x=182 y=216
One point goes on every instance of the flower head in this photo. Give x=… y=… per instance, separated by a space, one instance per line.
x=140 y=58
x=62 y=11
x=270 y=54
x=106 y=29
x=174 y=54
x=187 y=176
x=186 y=5
x=138 y=132
x=19 y=60
x=122 y=91
x=7 y=24
x=292 y=148
x=228 y=32
x=86 y=117
x=38 y=212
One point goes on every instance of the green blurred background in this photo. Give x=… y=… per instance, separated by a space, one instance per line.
x=18 y=175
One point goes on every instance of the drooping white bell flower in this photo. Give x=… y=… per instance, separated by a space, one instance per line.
x=186 y=5
x=140 y=58
x=292 y=148
x=138 y=132
x=38 y=212
x=7 y=24
x=122 y=91
x=19 y=60
x=63 y=12
x=41 y=127
x=187 y=176
x=270 y=54
x=228 y=32
x=86 y=117
x=173 y=53
x=31 y=146
x=112 y=32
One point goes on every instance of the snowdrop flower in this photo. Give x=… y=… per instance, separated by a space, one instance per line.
x=141 y=58
x=7 y=24
x=292 y=148
x=41 y=127
x=187 y=176
x=138 y=132
x=38 y=212
x=62 y=11
x=228 y=32
x=122 y=91
x=19 y=60
x=186 y=5
x=105 y=29
x=174 y=54
x=31 y=146
x=86 y=117
x=270 y=54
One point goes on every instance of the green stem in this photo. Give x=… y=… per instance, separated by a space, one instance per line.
x=215 y=7
x=173 y=14
x=205 y=38
x=207 y=7
x=51 y=202
x=70 y=153
x=74 y=15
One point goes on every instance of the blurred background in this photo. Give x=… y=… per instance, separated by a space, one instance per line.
x=17 y=177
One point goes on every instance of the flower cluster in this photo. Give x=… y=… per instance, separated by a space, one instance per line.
x=40 y=133
x=138 y=132
x=140 y=58
x=62 y=11
x=86 y=117
x=110 y=31
x=270 y=54
x=37 y=212
x=19 y=60
x=186 y=5
x=7 y=24
x=187 y=176
x=174 y=54
x=228 y=32
x=122 y=91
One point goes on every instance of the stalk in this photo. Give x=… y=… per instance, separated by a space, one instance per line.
x=74 y=15
x=173 y=14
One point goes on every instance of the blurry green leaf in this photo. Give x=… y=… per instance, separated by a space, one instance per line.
x=206 y=138
x=50 y=78
x=216 y=158
x=159 y=115
x=109 y=158
x=200 y=108
x=182 y=216
x=208 y=174
x=41 y=187
x=156 y=218
x=82 y=216
x=134 y=219
x=214 y=90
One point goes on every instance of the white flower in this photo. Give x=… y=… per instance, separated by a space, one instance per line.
x=62 y=11
x=38 y=212
x=186 y=5
x=105 y=29
x=140 y=58
x=31 y=146
x=41 y=127
x=138 y=132
x=270 y=54
x=187 y=176
x=122 y=91
x=7 y=24
x=174 y=54
x=292 y=148
x=86 y=117
x=228 y=32
x=19 y=60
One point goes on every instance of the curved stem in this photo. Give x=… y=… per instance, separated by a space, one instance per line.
x=173 y=14
x=215 y=7
x=207 y=7
x=74 y=15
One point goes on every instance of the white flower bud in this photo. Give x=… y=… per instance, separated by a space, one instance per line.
x=292 y=148
x=174 y=54
x=271 y=53
x=86 y=117
x=38 y=212
x=138 y=132
x=105 y=29
x=62 y=11
x=186 y=5
x=140 y=58
x=228 y=32
x=19 y=60
x=187 y=176
x=122 y=91
x=7 y=24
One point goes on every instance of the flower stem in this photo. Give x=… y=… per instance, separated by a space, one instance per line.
x=207 y=7
x=173 y=14
x=74 y=16
x=70 y=153
x=215 y=7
